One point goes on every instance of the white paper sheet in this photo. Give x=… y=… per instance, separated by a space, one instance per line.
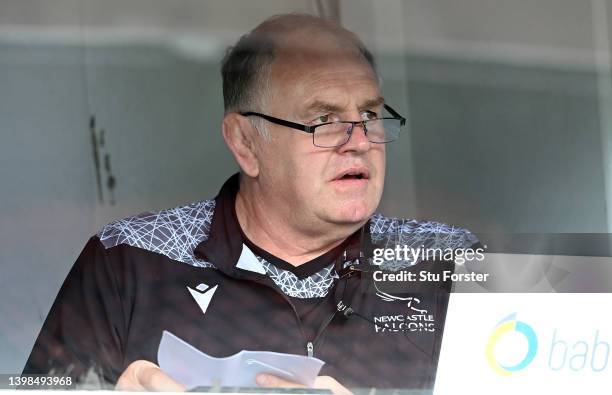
x=192 y=367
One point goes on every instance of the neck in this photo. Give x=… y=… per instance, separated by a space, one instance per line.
x=266 y=224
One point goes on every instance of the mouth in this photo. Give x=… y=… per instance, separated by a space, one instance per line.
x=356 y=173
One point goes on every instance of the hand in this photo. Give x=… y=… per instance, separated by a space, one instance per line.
x=146 y=376
x=321 y=382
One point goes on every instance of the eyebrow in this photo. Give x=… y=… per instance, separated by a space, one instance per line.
x=372 y=103
x=323 y=106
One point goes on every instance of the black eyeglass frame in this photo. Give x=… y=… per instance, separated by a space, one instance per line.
x=311 y=129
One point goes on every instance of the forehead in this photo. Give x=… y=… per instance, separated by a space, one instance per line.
x=322 y=71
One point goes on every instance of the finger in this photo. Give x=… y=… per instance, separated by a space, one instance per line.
x=271 y=381
x=327 y=382
x=154 y=379
x=146 y=376
x=128 y=381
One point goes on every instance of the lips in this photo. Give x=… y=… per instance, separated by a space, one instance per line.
x=353 y=173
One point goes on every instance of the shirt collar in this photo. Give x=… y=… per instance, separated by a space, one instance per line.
x=226 y=249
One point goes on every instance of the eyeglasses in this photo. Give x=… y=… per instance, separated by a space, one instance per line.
x=334 y=134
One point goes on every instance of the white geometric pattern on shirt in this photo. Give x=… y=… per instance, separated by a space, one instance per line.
x=390 y=232
x=314 y=286
x=176 y=232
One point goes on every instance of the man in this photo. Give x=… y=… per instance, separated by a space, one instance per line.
x=281 y=252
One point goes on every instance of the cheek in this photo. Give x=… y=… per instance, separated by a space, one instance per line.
x=300 y=170
x=281 y=156
x=310 y=182
x=313 y=165
x=377 y=160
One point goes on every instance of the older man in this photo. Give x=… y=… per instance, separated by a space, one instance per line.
x=280 y=253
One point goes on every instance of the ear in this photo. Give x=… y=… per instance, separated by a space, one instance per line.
x=238 y=134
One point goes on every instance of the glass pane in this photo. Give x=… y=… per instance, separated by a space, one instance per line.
x=110 y=108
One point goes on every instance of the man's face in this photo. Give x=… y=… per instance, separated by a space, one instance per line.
x=330 y=185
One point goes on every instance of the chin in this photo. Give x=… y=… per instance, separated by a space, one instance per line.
x=354 y=212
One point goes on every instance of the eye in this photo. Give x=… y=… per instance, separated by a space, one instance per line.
x=323 y=119
x=369 y=115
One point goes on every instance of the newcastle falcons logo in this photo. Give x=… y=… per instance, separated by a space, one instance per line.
x=416 y=320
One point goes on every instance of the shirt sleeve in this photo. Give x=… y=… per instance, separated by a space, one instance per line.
x=83 y=333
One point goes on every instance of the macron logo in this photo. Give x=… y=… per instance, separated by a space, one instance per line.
x=202 y=295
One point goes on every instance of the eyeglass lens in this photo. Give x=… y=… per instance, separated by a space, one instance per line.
x=337 y=134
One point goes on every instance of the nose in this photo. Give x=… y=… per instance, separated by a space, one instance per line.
x=358 y=141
